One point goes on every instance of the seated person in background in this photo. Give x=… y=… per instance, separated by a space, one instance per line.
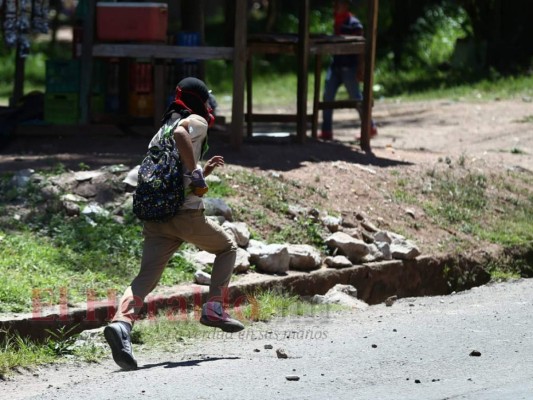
x=343 y=68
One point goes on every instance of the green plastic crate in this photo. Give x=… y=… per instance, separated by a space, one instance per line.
x=97 y=104
x=99 y=78
x=64 y=76
x=61 y=108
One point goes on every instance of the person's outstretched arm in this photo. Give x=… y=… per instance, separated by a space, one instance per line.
x=212 y=163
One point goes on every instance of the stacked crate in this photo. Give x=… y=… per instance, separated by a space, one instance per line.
x=188 y=66
x=62 y=97
x=141 y=95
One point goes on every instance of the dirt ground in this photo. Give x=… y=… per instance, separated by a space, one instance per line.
x=491 y=136
x=499 y=132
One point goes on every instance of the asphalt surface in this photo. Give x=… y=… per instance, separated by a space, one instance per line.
x=419 y=348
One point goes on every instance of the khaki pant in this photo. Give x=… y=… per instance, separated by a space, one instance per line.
x=161 y=240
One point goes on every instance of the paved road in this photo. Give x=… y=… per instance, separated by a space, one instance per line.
x=380 y=353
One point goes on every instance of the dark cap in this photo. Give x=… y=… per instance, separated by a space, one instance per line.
x=194 y=94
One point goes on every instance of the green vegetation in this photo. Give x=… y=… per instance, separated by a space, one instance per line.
x=526 y=120
x=34 y=69
x=265 y=305
x=18 y=352
x=49 y=253
x=462 y=199
x=429 y=64
x=274 y=196
x=166 y=331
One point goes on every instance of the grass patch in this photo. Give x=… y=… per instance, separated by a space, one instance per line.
x=17 y=352
x=526 y=120
x=459 y=198
x=271 y=217
x=167 y=330
x=402 y=193
x=497 y=208
x=44 y=253
x=265 y=305
x=430 y=84
x=515 y=262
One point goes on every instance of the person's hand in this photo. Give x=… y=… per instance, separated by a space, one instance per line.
x=212 y=163
x=198 y=185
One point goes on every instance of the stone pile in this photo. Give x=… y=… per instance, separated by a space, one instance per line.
x=108 y=192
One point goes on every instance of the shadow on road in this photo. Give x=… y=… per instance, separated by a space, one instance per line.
x=188 y=363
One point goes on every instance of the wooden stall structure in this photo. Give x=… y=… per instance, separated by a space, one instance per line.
x=303 y=46
x=160 y=52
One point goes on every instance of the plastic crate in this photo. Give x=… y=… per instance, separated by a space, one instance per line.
x=61 y=108
x=141 y=105
x=190 y=39
x=62 y=76
x=141 y=78
x=98 y=104
x=99 y=78
x=112 y=103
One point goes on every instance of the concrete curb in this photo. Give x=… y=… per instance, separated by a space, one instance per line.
x=375 y=282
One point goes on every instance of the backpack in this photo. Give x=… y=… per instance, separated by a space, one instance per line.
x=160 y=192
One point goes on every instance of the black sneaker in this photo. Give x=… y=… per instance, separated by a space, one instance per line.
x=214 y=316
x=119 y=340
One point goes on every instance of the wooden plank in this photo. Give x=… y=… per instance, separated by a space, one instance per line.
x=337 y=48
x=303 y=62
x=162 y=51
x=370 y=55
x=272 y=48
x=87 y=63
x=239 y=66
x=337 y=104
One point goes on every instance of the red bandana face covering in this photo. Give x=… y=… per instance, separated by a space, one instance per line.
x=211 y=119
x=209 y=112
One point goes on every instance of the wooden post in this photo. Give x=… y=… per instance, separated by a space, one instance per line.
x=87 y=63
x=370 y=55
x=18 y=85
x=239 y=66
x=249 y=96
x=316 y=95
x=303 y=62
x=160 y=95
